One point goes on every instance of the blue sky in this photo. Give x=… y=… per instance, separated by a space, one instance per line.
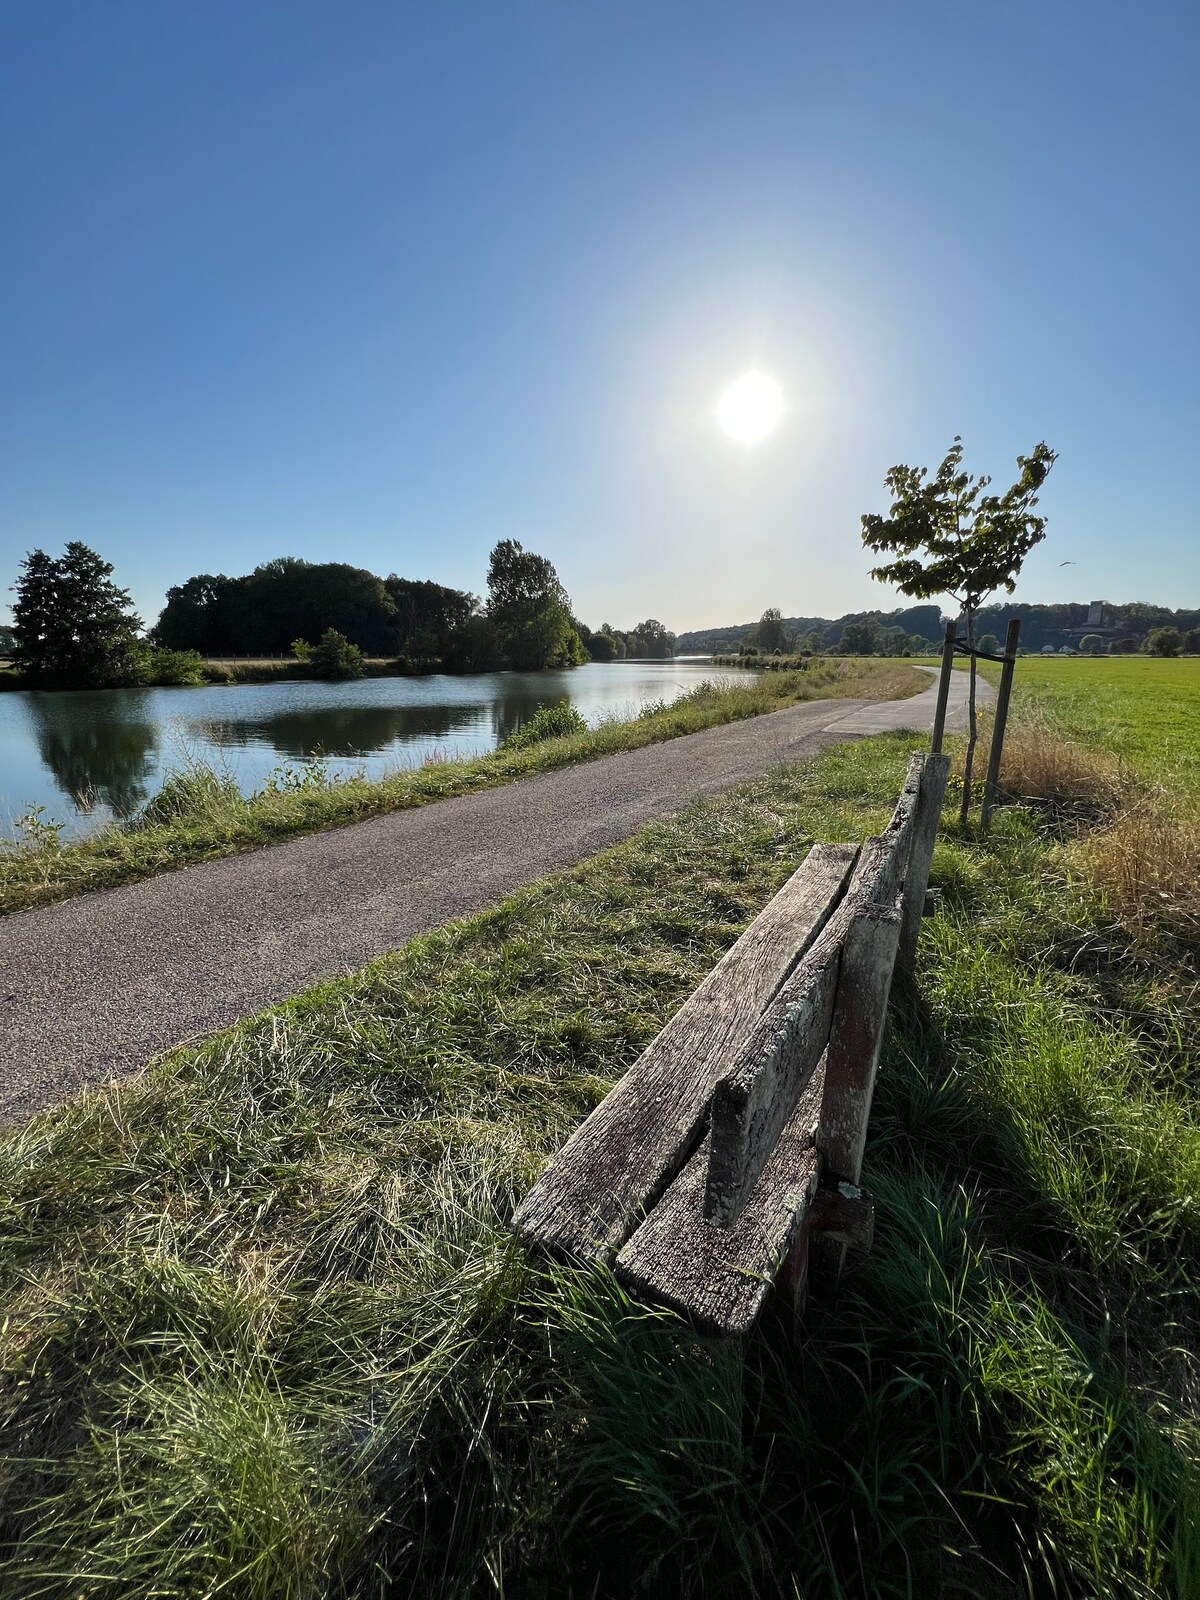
x=384 y=283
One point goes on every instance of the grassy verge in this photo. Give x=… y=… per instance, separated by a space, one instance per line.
x=198 y=814
x=265 y=1332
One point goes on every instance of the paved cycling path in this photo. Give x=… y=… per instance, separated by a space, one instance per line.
x=96 y=986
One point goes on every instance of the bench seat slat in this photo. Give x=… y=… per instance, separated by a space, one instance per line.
x=614 y=1167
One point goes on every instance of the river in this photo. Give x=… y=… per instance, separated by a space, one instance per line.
x=93 y=755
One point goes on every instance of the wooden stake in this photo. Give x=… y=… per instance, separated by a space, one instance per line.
x=992 y=785
x=939 y=716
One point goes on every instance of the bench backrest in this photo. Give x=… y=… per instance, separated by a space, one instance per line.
x=697 y=1171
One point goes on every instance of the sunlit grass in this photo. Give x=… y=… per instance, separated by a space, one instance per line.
x=265 y=1331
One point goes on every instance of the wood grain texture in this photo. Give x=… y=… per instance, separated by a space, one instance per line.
x=855 y=1035
x=617 y=1163
x=720 y=1278
x=755 y=1100
x=756 y=1096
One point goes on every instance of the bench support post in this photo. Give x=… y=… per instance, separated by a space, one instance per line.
x=929 y=814
x=855 y=1037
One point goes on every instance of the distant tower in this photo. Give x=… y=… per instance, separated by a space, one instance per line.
x=1096 y=614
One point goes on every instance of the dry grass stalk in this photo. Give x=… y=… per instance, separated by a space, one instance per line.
x=1148 y=866
x=1040 y=764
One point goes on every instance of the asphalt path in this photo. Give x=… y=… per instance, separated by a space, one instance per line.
x=95 y=987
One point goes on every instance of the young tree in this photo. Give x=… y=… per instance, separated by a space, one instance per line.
x=990 y=645
x=335 y=657
x=74 y=628
x=972 y=542
x=1091 y=645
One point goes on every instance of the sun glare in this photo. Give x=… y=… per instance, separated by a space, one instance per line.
x=751 y=408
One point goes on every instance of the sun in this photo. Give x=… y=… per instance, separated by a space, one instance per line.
x=750 y=409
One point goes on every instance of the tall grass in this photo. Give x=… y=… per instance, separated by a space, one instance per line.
x=203 y=816
x=265 y=1331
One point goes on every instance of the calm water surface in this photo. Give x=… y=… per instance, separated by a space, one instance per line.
x=94 y=755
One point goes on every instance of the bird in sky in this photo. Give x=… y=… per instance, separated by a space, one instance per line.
x=1066 y=563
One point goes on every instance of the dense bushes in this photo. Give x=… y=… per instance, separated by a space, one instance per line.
x=334 y=657
x=547 y=722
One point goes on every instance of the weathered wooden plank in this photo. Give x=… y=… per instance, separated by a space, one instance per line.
x=855 y=1035
x=618 y=1162
x=721 y=1277
x=897 y=839
x=920 y=855
x=756 y=1096
x=755 y=1100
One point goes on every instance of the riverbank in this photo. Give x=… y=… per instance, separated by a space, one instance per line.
x=199 y=814
x=245 y=669
x=261 y=1310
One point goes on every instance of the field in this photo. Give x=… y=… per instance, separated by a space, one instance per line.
x=265 y=1332
x=200 y=814
x=1145 y=711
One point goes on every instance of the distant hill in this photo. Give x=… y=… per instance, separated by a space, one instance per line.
x=1040 y=625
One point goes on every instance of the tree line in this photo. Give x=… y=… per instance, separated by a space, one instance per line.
x=1128 y=628
x=73 y=626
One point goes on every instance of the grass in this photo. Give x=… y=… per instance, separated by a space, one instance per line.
x=265 y=1333
x=201 y=815
x=1142 y=710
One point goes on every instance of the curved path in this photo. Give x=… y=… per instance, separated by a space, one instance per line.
x=96 y=986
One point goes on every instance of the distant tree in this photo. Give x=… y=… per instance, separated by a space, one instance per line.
x=618 y=640
x=651 y=638
x=1164 y=642
x=601 y=646
x=860 y=638
x=1126 y=646
x=1191 y=642
x=74 y=627
x=335 y=657
x=917 y=644
x=428 y=615
x=8 y=640
x=972 y=542
x=892 y=642
x=989 y=644
x=199 y=615
x=1139 y=611
x=769 y=633
x=1091 y=645
x=529 y=610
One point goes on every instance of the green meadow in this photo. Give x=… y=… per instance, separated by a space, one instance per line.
x=264 y=1331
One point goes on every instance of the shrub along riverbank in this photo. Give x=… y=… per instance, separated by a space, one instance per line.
x=265 y=1330
x=199 y=813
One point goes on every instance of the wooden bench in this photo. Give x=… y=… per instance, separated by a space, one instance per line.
x=739 y=1133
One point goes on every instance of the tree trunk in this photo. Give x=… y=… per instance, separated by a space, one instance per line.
x=973 y=735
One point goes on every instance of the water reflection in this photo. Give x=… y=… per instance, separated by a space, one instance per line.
x=107 y=749
x=109 y=762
